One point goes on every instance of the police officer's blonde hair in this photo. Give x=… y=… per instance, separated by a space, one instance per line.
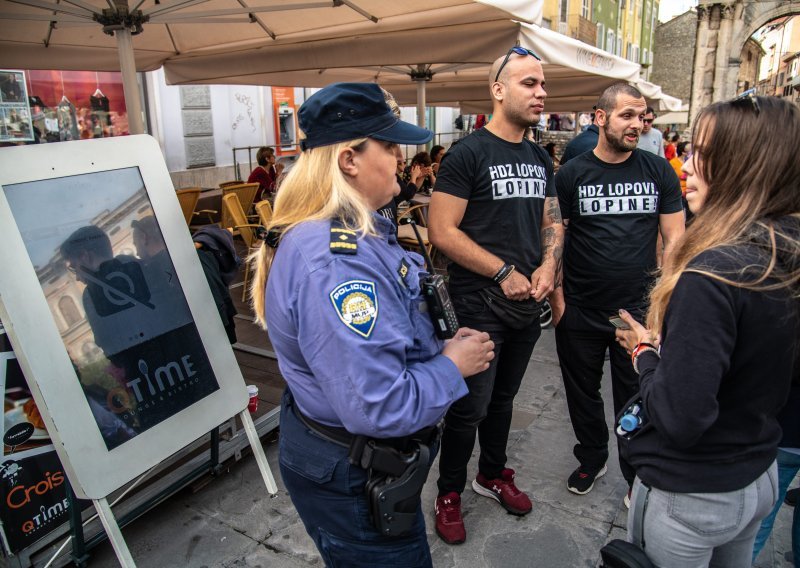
x=315 y=189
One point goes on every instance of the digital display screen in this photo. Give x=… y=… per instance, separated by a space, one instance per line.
x=112 y=289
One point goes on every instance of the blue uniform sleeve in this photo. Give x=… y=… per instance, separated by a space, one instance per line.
x=355 y=325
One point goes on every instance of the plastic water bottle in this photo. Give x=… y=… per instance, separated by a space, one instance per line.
x=631 y=420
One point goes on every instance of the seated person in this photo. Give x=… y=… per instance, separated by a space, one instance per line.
x=407 y=189
x=437 y=153
x=266 y=173
x=426 y=178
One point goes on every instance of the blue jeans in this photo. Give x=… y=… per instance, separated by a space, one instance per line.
x=788 y=466
x=329 y=496
x=695 y=530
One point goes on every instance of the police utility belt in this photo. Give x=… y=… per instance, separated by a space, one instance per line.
x=397 y=467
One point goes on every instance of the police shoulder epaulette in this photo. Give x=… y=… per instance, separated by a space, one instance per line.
x=343 y=241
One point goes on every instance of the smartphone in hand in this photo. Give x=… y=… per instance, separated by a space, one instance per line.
x=617 y=322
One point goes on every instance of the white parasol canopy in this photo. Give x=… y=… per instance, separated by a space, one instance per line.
x=449 y=64
x=131 y=35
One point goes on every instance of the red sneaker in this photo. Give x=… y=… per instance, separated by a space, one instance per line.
x=449 y=524
x=504 y=492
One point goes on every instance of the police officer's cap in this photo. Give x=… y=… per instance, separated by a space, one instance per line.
x=347 y=111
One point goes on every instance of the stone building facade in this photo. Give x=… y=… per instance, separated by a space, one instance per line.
x=673 y=55
x=674 y=52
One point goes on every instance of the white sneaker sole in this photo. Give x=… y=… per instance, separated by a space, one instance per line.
x=481 y=490
x=600 y=474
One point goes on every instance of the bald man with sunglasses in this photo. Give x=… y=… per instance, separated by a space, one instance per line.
x=494 y=212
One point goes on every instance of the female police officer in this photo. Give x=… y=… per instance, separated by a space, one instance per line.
x=367 y=378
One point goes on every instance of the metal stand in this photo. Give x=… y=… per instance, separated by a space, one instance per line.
x=216 y=469
x=258 y=452
x=79 y=556
x=113 y=532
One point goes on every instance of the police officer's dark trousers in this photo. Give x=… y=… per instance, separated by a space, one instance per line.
x=488 y=407
x=582 y=337
x=328 y=493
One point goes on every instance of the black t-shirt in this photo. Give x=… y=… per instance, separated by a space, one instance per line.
x=613 y=212
x=506 y=184
x=407 y=191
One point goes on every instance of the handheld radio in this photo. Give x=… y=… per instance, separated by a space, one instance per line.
x=440 y=307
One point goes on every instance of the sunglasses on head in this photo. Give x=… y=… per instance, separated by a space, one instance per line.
x=749 y=97
x=519 y=51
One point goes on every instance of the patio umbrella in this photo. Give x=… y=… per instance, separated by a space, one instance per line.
x=576 y=75
x=445 y=66
x=131 y=35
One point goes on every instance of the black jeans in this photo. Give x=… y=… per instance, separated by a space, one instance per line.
x=582 y=337
x=488 y=407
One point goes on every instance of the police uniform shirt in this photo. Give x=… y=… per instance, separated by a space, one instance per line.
x=506 y=184
x=352 y=334
x=613 y=212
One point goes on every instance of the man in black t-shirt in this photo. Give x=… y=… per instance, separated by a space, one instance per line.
x=494 y=212
x=615 y=200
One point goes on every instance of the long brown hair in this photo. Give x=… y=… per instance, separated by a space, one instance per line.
x=749 y=152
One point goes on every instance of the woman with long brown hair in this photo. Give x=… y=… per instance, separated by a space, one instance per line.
x=721 y=348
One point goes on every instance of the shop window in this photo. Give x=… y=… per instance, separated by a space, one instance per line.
x=76 y=105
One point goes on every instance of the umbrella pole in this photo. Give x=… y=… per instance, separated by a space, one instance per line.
x=420 y=78
x=127 y=65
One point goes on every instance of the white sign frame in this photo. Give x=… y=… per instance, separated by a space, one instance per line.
x=93 y=470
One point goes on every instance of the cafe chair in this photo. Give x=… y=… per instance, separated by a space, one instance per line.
x=246 y=192
x=229 y=183
x=264 y=210
x=232 y=209
x=188 y=198
x=405 y=232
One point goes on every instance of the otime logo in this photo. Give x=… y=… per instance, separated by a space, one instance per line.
x=21 y=496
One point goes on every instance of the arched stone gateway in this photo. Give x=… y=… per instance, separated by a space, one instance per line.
x=722 y=30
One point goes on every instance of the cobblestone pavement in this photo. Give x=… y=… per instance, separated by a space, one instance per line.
x=232 y=522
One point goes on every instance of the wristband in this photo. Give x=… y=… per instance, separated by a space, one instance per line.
x=504 y=272
x=638 y=350
x=504 y=278
x=640 y=347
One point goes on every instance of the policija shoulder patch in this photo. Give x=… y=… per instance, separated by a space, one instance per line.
x=356 y=304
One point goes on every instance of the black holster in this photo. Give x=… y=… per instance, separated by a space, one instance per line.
x=396 y=479
x=397 y=469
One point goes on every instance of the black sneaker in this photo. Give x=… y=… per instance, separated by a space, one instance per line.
x=791 y=497
x=582 y=480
